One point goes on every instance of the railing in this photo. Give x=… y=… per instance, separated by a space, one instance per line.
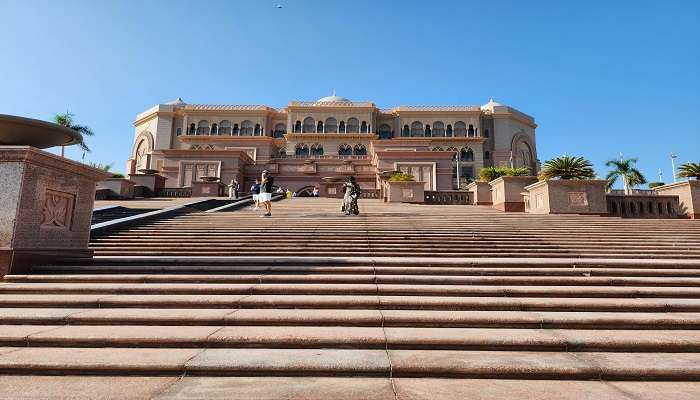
x=102 y=194
x=174 y=192
x=447 y=197
x=634 y=192
x=323 y=157
x=370 y=194
x=643 y=206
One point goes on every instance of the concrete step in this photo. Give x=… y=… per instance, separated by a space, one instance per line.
x=349 y=362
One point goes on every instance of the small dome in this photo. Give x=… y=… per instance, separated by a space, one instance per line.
x=332 y=99
x=490 y=105
x=177 y=102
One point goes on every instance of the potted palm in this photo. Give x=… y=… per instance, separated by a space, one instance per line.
x=688 y=192
x=567 y=185
x=507 y=187
x=625 y=170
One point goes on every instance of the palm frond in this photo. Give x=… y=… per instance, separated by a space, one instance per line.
x=567 y=167
x=689 y=170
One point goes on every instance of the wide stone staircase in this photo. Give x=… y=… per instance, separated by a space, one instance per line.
x=401 y=302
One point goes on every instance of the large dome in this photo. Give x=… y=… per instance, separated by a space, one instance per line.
x=332 y=99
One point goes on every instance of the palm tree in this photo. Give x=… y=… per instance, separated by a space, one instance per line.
x=625 y=169
x=66 y=120
x=689 y=170
x=567 y=167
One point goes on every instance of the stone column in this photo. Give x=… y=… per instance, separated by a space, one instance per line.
x=46 y=206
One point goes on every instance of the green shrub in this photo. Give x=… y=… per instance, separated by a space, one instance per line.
x=401 y=177
x=567 y=167
x=117 y=175
x=520 y=171
x=655 y=184
x=490 y=173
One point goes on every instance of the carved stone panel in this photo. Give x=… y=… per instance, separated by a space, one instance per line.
x=578 y=199
x=57 y=209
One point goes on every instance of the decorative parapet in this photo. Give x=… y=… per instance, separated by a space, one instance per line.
x=434 y=108
x=228 y=107
x=331 y=104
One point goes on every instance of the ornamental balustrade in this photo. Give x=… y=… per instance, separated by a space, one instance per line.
x=174 y=192
x=447 y=197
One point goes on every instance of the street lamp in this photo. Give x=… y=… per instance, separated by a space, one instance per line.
x=673 y=166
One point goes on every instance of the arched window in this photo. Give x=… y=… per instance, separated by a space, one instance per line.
x=319 y=127
x=460 y=129
x=466 y=155
x=316 y=149
x=384 y=131
x=633 y=209
x=344 y=150
x=438 y=129
x=613 y=208
x=650 y=207
x=448 y=132
x=669 y=208
x=486 y=133
x=215 y=130
x=246 y=128
x=437 y=148
x=309 y=125
x=360 y=150
x=341 y=127
x=280 y=130
x=363 y=127
x=301 y=150
x=487 y=155
x=203 y=127
x=192 y=130
x=353 y=125
x=297 y=127
x=454 y=158
x=256 y=131
x=331 y=125
x=405 y=132
x=417 y=129
x=225 y=128
x=470 y=131
x=236 y=130
x=282 y=152
x=428 y=132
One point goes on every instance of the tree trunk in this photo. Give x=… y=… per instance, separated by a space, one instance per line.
x=624 y=182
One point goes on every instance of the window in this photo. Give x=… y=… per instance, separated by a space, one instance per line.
x=470 y=131
x=309 y=125
x=405 y=132
x=214 y=129
x=236 y=130
x=384 y=131
x=466 y=155
x=353 y=125
x=192 y=130
x=297 y=127
x=316 y=149
x=319 y=127
x=438 y=129
x=246 y=128
x=203 y=127
x=341 y=127
x=460 y=129
x=301 y=150
x=428 y=132
x=487 y=155
x=280 y=131
x=360 y=150
x=363 y=127
x=225 y=128
x=331 y=125
x=417 y=129
x=178 y=132
x=344 y=150
x=448 y=132
x=486 y=133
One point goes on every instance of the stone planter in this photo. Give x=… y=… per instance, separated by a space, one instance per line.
x=566 y=196
x=119 y=188
x=480 y=193
x=688 y=193
x=46 y=206
x=506 y=192
x=207 y=189
x=151 y=183
x=404 y=192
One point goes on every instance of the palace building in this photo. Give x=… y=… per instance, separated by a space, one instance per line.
x=333 y=136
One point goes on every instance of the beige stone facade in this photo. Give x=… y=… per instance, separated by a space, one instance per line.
x=332 y=136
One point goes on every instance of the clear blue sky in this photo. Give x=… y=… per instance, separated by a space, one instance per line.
x=600 y=77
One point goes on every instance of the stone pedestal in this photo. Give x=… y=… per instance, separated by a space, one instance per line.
x=46 y=206
x=480 y=193
x=566 y=197
x=150 y=182
x=506 y=192
x=208 y=189
x=119 y=188
x=688 y=193
x=404 y=192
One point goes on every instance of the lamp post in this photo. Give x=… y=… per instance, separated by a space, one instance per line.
x=673 y=166
x=457 y=158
